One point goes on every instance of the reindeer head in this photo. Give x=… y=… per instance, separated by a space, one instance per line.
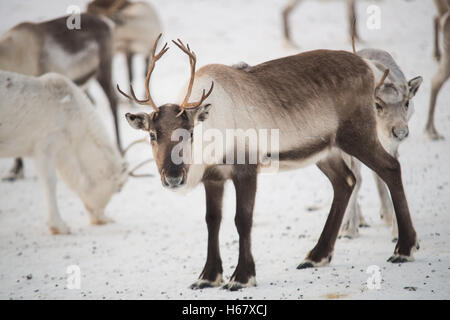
x=394 y=106
x=170 y=124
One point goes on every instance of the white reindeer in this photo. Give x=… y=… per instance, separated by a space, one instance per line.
x=51 y=120
x=394 y=109
x=81 y=55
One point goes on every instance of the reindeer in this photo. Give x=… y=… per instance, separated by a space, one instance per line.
x=292 y=4
x=51 y=120
x=37 y=48
x=322 y=102
x=136 y=27
x=394 y=109
x=441 y=22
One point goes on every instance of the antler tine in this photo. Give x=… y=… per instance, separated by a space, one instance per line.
x=155 y=57
x=192 y=60
x=380 y=83
x=191 y=105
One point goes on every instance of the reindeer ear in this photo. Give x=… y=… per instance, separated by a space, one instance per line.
x=414 y=85
x=140 y=121
x=203 y=112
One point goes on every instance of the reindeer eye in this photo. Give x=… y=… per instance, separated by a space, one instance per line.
x=152 y=136
x=379 y=107
x=407 y=105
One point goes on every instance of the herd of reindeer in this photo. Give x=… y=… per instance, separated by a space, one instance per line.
x=335 y=109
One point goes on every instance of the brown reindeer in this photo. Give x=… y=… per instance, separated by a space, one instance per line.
x=321 y=102
x=442 y=23
x=81 y=55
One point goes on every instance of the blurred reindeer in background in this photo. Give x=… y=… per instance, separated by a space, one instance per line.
x=441 y=23
x=81 y=55
x=50 y=119
x=136 y=27
x=292 y=4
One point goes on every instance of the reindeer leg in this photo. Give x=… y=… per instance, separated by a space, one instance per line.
x=47 y=174
x=387 y=209
x=129 y=57
x=245 y=184
x=343 y=181
x=211 y=275
x=104 y=78
x=147 y=63
x=109 y=91
x=370 y=152
x=437 y=51
x=16 y=172
x=286 y=28
x=351 y=14
x=436 y=83
x=352 y=216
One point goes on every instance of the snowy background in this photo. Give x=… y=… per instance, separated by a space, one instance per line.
x=157 y=246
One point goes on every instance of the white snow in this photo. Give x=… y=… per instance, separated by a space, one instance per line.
x=157 y=246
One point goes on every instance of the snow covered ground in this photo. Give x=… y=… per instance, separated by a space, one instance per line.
x=157 y=246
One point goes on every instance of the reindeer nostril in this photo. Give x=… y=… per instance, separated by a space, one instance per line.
x=174 y=181
x=400 y=133
x=394 y=132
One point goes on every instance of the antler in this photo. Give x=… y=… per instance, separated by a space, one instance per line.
x=192 y=61
x=155 y=57
x=380 y=83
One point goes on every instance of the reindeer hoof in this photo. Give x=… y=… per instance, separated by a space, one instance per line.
x=364 y=225
x=234 y=285
x=203 y=283
x=13 y=176
x=305 y=265
x=434 y=135
x=398 y=258
x=61 y=229
x=401 y=258
x=308 y=263
x=98 y=221
x=349 y=233
x=289 y=45
x=346 y=236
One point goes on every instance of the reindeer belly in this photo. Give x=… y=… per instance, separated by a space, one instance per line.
x=82 y=64
x=304 y=155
